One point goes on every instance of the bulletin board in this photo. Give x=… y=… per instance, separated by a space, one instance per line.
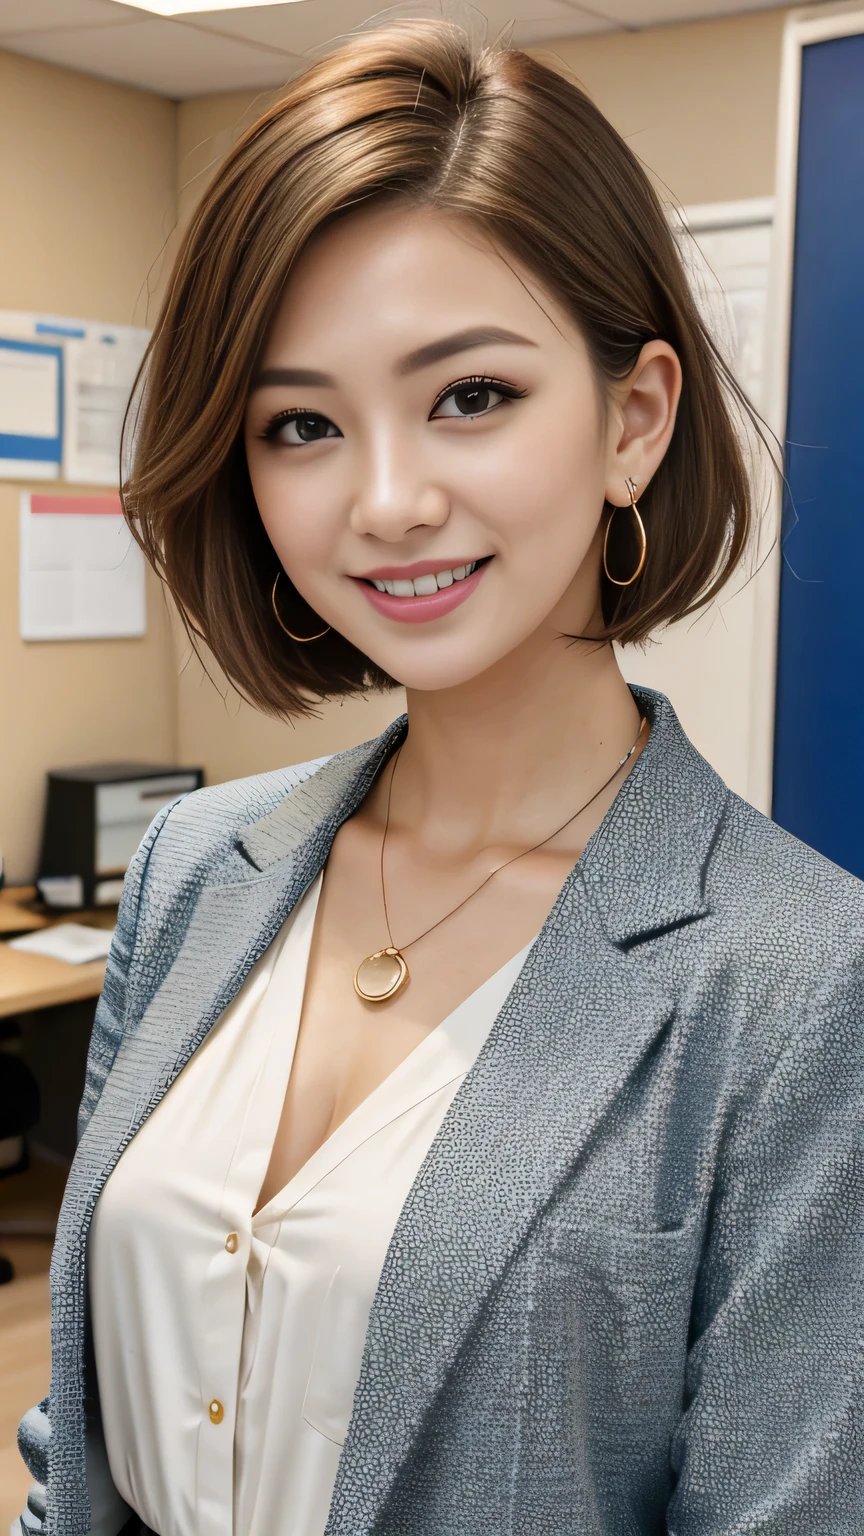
x=64 y=388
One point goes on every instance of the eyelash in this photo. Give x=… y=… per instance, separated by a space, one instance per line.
x=509 y=391
x=280 y=419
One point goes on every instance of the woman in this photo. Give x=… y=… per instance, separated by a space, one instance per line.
x=471 y=1140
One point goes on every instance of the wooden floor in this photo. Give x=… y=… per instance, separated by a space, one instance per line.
x=25 y=1346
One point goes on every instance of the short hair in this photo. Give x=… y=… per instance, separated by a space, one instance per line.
x=416 y=111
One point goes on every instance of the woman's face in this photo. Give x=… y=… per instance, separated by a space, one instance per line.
x=429 y=448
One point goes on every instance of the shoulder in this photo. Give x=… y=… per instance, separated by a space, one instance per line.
x=200 y=832
x=780 y=969
x=805 y=910
x=191 y=844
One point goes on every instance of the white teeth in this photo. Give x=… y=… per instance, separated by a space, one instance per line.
x=424 y=586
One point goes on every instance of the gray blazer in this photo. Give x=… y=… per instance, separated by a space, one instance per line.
x=626 y=1291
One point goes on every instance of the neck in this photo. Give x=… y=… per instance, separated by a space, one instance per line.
x=499 y=758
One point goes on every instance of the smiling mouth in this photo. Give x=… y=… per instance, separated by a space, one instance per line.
x=428 y=585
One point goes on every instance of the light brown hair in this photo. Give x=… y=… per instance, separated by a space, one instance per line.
x=414 y=111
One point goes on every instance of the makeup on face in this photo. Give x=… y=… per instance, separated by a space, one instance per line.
x=419 y=593
x=390 y=476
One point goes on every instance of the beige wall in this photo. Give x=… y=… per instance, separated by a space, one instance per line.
x=696 y=103
x=87 y=189
x=97 y=176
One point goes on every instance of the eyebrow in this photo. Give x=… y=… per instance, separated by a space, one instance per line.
x=460 y=341
x=422 y=357
x=303 y=377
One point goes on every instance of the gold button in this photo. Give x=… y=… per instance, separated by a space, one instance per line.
x=232 y=1242
x=216 y=1411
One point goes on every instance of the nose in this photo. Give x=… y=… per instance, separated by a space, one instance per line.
x=395 y=493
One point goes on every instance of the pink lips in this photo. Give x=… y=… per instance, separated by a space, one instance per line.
x=419 y=610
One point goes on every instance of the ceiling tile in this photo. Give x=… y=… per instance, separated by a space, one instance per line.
x=572 y=24
x=308 y=24
x=168 y=57
x=652 y=13
x=39 y=15
x=296 y=26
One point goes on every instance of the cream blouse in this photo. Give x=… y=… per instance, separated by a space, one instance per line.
x=228 y=1345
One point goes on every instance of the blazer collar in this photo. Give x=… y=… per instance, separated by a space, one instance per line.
x=584 y=1011
x=318 y=805
x=644 y=867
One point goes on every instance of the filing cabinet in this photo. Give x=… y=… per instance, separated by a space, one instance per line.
x=95 y=817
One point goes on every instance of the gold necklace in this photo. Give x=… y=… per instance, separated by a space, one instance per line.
x=381 y=975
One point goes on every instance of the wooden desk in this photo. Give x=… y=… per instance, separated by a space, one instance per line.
x=15 y=916
x=36 y=981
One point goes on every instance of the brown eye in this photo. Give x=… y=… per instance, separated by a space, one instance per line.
x=301 y=427
x=474 y=397
x=470 y=402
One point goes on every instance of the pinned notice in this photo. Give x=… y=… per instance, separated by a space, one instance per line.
x=81 y=574
x=101 y=365
x=64 y=388
x=31 y=409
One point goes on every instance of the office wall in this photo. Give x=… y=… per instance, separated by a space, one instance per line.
x=696 y=103
x=88 y=193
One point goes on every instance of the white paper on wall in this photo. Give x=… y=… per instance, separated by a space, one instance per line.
x=99 y=374
x=81 y=572
x=99 y=365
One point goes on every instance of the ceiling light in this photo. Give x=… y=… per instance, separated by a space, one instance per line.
x=195 y=7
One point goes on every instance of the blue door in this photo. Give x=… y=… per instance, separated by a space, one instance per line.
x=819 y=738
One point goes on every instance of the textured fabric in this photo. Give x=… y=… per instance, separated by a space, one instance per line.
x=272 y=1324
x=625 y=1291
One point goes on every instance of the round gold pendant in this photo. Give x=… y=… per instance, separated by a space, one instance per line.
x=380 y=976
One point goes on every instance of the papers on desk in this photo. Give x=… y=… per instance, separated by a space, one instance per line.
x=64 y=388
x=73 y=942
x=81 y=572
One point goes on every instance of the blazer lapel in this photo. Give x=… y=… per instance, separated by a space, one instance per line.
x=226 y=927
x=582 y=1015
x=571 y=1032
x=229 y=925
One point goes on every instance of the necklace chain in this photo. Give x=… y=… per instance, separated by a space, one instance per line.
x=497 y=870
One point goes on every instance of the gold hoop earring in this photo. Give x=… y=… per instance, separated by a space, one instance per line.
x=631 y=492
x=301 y=639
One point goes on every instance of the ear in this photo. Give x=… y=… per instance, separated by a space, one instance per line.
x=642 y=419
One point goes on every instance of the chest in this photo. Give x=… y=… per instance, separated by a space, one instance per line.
x=345 y=1046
